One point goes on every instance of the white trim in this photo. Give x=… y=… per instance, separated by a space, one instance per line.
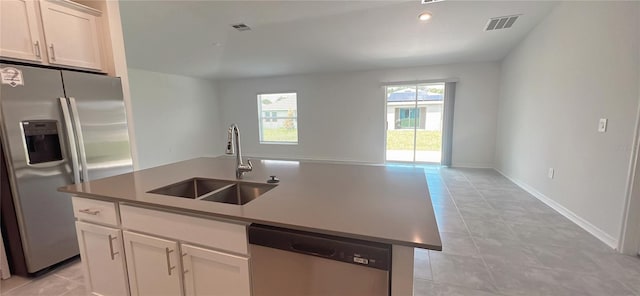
x=77 y=6
x=385 y=121
x=419 y=82
x=278 y=143
x=630 y=232
x=584 y=224
x=315 y=160
x=472 y=165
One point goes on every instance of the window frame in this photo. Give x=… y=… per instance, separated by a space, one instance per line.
x=270 y=118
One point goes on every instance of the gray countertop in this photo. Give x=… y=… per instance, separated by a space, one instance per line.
x=376 y=203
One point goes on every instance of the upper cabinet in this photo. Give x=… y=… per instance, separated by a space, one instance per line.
x=55 y=32
x=71 y=32
x=19 y=30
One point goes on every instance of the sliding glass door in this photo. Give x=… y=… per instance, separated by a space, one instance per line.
x=414 y=122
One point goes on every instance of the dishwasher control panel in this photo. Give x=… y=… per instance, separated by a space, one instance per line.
x=348 y=250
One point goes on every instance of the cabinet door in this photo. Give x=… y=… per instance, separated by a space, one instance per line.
x=19 y=33
x=102 y=259
x=72 y=35
x=153 y=265
x=211 y=273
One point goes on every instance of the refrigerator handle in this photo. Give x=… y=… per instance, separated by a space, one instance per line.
x=80 y=138
x=71 y=140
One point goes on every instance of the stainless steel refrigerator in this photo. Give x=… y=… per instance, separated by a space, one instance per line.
x=58 y=128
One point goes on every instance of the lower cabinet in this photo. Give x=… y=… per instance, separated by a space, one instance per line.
x=149 y=252
x=153 y=265
x=207 y=272
x=102 y=259
x=158 y=267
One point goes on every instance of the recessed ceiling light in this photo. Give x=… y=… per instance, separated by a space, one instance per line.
x=425 y=16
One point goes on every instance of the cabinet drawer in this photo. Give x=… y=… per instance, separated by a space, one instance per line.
x=92 y=210
x=215 y=234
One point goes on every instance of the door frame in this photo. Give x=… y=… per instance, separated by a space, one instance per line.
x=629 y=240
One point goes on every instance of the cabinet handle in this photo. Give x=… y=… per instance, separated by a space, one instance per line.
x=53 y=52
x=37 y=48
x=184 y=270
x=111 y=252
x=169 y=267
x=89 y=211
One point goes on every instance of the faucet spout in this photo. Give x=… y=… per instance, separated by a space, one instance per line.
x=233 y=143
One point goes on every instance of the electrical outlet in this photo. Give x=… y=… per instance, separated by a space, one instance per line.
x=551 y=172
x=602 y=125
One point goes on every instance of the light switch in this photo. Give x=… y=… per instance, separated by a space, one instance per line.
x=602 y=125
x=551 y=173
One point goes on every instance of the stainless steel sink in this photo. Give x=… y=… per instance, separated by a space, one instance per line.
x=215 y=190
x=239 y=193
x=192 y=188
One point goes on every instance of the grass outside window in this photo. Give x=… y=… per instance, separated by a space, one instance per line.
x=403 y=140
x=280 y=135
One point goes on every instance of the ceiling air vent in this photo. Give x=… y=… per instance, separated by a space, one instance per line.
x=430 y=1
x=241 y=27
x=502 y=22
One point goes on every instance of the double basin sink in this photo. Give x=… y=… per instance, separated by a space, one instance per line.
x=231 y=192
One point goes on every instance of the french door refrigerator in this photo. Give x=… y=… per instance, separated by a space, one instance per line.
x=58 y=128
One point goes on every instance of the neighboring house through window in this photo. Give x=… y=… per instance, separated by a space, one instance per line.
x=278 y=120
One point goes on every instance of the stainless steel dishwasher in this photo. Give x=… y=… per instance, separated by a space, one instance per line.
x=287 y=262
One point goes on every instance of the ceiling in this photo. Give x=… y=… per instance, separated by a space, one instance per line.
x=195 y=38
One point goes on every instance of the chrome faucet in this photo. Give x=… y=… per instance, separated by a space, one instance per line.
x=241 y=168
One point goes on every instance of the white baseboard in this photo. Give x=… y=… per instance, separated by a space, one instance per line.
x=318 y=160
x=471 y=166
x=584 y=224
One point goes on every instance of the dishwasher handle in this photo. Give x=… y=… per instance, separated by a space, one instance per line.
x=313 y=250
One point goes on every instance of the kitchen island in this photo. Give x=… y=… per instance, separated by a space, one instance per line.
x=381 y=204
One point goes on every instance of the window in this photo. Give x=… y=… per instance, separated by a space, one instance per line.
x=407 y=118
x=278 y=118
x=269 y=116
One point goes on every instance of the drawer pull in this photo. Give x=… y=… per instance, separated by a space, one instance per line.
x=169 y=267
x=111 y=252
x=53 y=52
x=37 y=48
x=89 y=212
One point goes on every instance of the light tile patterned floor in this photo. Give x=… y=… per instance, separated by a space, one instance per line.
x=497 y=240
x=67 y=280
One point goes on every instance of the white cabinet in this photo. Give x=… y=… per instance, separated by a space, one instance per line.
x=157 y=267
x=208 y=272
x=165 y=253
x=19 y=30
x=71 y=33
x=55 y=32
x=204 y=271
x=153 y=265
x=95 y=211
x=102 y=259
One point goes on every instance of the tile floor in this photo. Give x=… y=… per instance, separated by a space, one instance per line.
x=67 y=280
x=497 y=240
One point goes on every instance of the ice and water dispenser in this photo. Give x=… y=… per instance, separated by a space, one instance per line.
x=42 y=141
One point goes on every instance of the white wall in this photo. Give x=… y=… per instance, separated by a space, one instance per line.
x=341 y=115
x=176 y=117
x=576 y=66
